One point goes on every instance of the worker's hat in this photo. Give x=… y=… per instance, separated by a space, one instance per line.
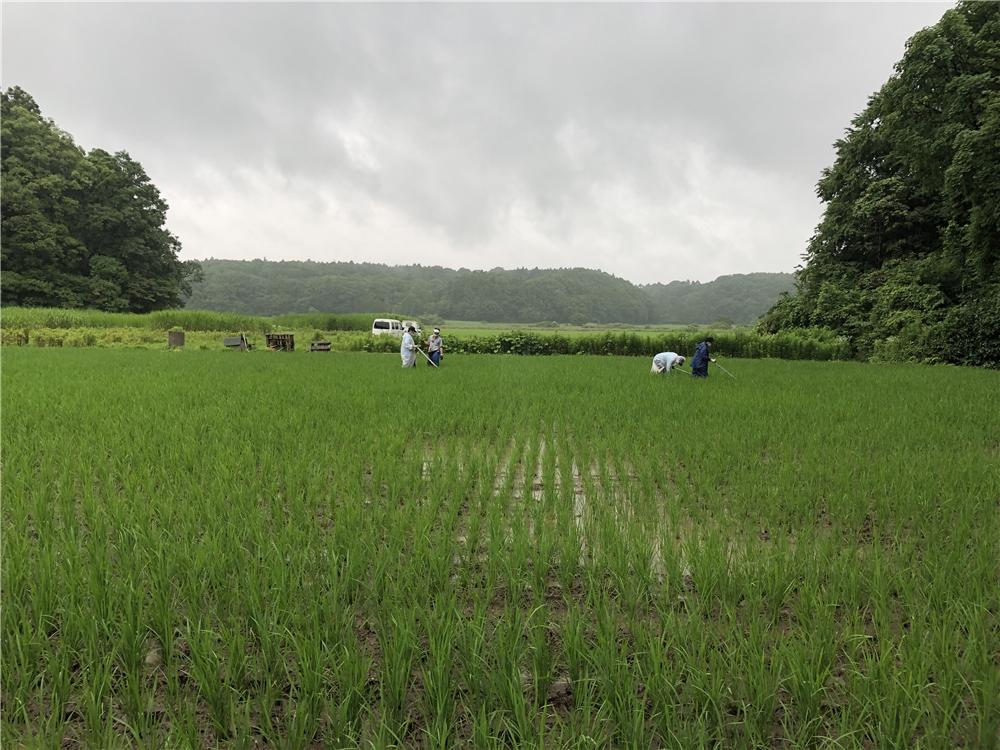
x=437 y=330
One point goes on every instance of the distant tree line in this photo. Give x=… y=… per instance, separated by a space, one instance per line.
x=737 y=298
x=80 y=230
x=906 y=261
x=576 y=295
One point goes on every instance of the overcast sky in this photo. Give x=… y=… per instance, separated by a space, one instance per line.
x=655 y=142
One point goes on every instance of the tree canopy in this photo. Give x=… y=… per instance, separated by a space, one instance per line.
x=569 y=295
x=906 y=260
x=81 y=229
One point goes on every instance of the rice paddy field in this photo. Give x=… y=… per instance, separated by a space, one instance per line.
x=216 y=549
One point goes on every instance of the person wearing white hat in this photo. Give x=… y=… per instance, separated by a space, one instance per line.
x=408 y=349
x=435 y=347
x=664 y=362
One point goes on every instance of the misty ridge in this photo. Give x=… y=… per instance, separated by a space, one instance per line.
x=564 y=295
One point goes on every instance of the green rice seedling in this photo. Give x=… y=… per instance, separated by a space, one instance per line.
x=808 y=670
x=397 y=637
x=591 y=723
x=760 y=683
x=97 y=687
x=508 y=685
x=53 y=692
x=471 y=647
x=541 y=654
x=205 y=549
x=163 y=616
x=308 y=700
x=184 y=729
x=22 y=656
x=137 y=701
x=347 y=710
x=482 y=729
x=616 y=681
x=575 y=646
x=206 y=668
x=438 y=679
x=264 y=637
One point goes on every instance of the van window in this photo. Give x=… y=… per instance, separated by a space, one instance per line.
x=381 y=324
x=395 y=325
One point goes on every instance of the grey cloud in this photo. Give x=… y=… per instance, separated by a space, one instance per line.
x=465 y=119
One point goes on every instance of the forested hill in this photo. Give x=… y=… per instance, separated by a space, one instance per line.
x=905 y=263
x=740 y=298
x=576 y=295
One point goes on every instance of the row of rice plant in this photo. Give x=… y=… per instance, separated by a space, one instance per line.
x=266 y=551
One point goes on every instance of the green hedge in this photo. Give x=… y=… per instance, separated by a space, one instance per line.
x=740 y=344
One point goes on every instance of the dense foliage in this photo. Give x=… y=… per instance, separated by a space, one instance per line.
x=81 y=229
x=906 y=260
x=575 y=295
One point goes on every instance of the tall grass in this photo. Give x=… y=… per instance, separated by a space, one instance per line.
x=205 y=549
x=332 y=321
x=189 y=320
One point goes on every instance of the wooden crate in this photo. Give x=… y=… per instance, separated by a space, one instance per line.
x=280 y=342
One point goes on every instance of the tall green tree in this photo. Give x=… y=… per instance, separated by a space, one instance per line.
x=81 y=229
x=905 y=260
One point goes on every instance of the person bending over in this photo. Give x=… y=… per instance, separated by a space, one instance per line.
x=664 y=362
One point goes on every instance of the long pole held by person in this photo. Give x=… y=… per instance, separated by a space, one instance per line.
x=724 y=369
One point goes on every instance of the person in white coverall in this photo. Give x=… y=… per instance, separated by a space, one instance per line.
x=664 y=362
x=408 y=350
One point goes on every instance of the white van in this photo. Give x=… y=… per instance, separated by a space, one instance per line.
x=387 y=327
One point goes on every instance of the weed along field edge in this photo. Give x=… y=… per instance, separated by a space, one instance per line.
x=208 y=549
x=208 y=331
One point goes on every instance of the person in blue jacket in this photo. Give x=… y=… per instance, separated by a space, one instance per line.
x=699 y=363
